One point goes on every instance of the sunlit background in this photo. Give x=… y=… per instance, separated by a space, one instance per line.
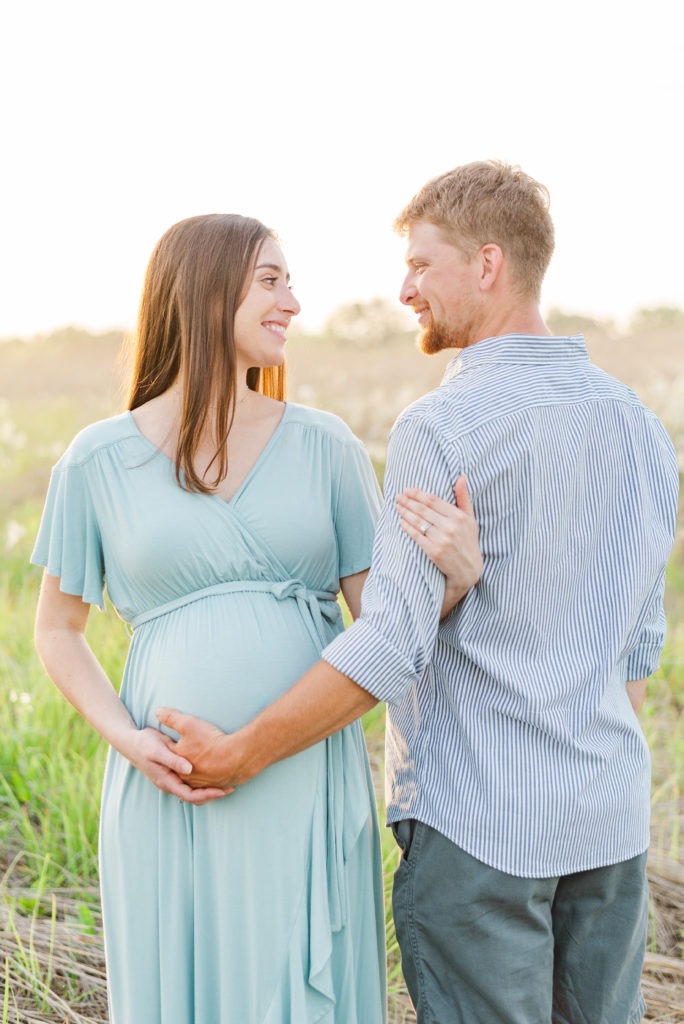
x=322 y=120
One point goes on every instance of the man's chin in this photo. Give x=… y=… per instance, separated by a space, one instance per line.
x=433 y=339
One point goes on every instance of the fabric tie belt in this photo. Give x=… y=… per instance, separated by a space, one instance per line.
x=318 y=607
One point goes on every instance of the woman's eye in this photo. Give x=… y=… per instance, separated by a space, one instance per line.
x=269 y=280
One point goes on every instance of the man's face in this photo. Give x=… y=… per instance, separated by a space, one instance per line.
x=441 y=285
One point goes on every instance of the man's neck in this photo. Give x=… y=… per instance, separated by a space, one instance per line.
x=522 y=319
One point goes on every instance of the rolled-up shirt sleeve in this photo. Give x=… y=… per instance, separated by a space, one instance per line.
x=644 y=659
x=386 y=650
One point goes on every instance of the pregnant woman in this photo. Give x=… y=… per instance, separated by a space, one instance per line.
x=224 y=523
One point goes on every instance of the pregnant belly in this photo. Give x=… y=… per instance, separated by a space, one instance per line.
x=223 y=658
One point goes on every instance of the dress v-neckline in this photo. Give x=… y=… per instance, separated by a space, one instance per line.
x=250 y=472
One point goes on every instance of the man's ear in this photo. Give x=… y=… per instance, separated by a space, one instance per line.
x=491 y=262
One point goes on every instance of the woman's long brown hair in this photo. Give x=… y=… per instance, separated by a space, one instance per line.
x=195 y=280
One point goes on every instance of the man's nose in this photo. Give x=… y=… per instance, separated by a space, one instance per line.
x=408 y=290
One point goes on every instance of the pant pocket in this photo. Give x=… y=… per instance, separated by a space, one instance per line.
x=404 y=832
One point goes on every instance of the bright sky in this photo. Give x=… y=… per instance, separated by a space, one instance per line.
x=322 y=120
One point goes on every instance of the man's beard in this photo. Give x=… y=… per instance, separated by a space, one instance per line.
x=436 y=337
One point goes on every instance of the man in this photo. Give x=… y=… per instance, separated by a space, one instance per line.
x=517 y=774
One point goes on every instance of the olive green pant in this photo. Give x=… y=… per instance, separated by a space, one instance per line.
x=480 y=946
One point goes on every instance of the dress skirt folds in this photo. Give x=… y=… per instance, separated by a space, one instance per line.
x=264 y=907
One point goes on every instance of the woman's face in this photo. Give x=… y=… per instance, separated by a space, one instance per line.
x=265 y=312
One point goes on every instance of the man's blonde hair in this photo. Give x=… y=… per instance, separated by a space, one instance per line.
x=490 y=201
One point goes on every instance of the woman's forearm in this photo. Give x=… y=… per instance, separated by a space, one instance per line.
x=77 y=673
x=75 y=670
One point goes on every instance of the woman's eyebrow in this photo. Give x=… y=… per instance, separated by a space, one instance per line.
x=271 y=266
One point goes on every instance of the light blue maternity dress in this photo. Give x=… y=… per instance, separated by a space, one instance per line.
x=264 y=907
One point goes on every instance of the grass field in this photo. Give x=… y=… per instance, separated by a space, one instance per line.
x=51 y=964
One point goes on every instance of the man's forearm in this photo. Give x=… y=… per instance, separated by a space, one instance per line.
x=319 y=704
x=636 y=691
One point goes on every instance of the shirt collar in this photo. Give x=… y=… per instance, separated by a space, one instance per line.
x=517 y=348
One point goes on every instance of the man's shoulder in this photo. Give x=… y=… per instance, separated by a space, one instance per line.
x=444 y=405
x=422 y=407
x=613 y=388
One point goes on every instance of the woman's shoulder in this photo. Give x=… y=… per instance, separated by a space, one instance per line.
x=97 y=436
x=319 y=419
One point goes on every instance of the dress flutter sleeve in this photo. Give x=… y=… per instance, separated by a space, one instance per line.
x=68 y=544
x=359 y=501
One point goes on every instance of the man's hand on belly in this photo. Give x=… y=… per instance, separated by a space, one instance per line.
x=213 y=754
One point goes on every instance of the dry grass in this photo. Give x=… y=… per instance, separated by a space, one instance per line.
x=52 y=965
x=663 y=978
x=55 y=964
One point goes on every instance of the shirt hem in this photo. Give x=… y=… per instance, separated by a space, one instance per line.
x=553 y=870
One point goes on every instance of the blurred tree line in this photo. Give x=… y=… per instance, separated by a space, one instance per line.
x=379 y=321
x=362 y=365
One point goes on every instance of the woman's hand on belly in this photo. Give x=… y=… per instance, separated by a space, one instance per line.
x=153 y=753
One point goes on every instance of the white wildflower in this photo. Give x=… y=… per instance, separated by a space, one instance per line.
x=15 y=531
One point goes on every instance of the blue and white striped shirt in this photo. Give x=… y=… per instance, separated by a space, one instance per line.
x=509 y=726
